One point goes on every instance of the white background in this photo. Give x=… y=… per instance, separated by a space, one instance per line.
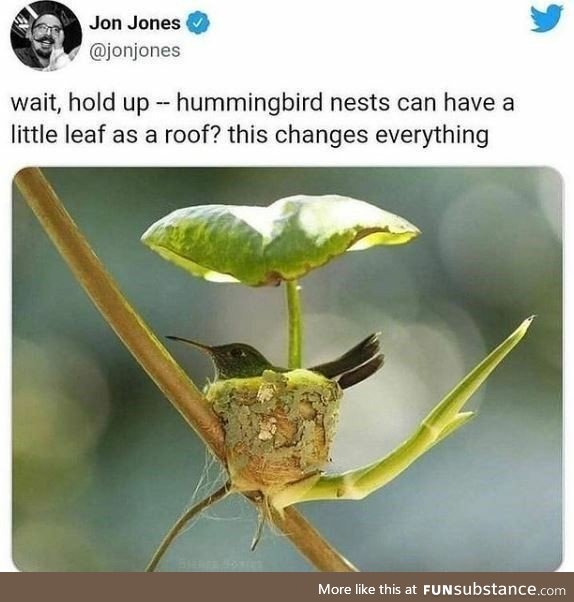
x=387 y=47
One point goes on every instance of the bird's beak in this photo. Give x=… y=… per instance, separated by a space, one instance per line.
x=190 y=342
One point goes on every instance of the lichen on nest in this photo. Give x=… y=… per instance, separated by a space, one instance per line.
x=279 y=427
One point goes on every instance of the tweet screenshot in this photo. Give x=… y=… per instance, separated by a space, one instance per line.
x=283 y=300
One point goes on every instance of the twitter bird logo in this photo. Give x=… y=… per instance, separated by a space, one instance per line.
x=548 y=20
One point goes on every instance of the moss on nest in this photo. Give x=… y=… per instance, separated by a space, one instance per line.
x=279 y=427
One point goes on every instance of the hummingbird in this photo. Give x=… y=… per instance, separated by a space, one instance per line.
x=256 y=460
x=239 y=360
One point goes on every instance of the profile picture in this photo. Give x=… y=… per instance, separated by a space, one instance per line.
x=46 y=36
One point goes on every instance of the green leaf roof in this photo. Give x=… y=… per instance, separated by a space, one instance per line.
x=265 y=245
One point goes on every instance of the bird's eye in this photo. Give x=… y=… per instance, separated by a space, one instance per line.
x=237 y=353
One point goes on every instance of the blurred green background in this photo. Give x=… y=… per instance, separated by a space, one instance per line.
x=103 y=465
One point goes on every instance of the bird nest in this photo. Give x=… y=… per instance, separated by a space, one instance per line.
x=279 y=427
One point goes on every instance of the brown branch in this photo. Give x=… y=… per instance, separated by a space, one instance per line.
x=120 y=315
x=311 y=543
x=183 y=521
x=150 y=353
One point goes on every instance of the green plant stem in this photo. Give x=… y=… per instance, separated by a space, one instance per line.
x=183 y=520
x=443 y=420
x=150 y=353
x=295 y=324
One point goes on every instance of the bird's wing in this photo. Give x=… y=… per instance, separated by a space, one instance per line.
x=537 y=16
x=354 y=358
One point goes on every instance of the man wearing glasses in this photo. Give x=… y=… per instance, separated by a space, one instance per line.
x=46 y=49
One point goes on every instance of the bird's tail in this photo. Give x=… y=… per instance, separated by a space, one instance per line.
x=356 y=365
